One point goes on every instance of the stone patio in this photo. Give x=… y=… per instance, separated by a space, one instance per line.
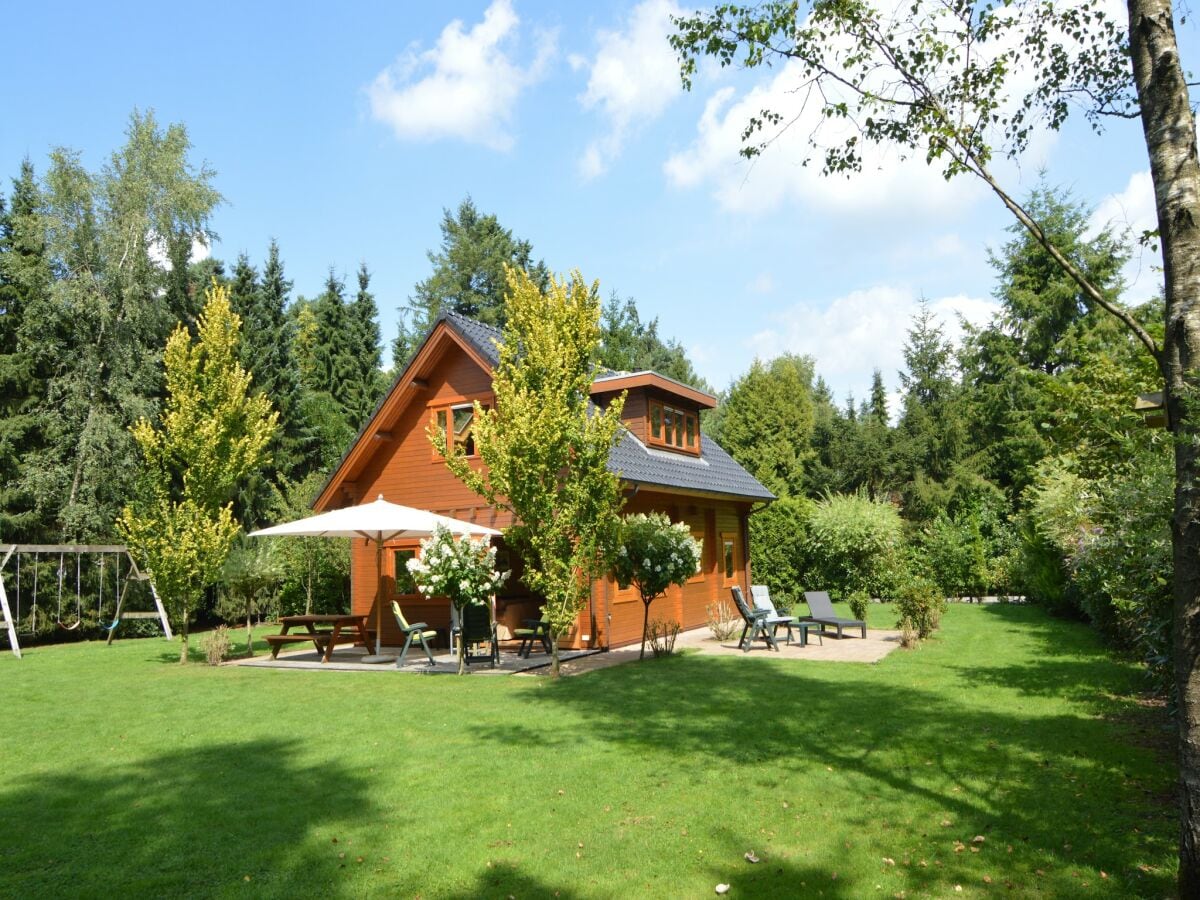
x=878 y=644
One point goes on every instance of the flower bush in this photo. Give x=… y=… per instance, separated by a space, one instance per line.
x=464 y=570
x=654 y=554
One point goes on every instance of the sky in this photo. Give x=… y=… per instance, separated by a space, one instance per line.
x=344 y=130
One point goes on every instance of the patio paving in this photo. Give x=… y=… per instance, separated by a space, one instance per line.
x=878 y=644
x=349 y=659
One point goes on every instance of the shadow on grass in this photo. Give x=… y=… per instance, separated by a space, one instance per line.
x=169 y=825
x=770 y=879
x=1060 y=783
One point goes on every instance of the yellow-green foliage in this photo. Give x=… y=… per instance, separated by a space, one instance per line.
x=544 y=452
x=213 y=433
x=213 y=429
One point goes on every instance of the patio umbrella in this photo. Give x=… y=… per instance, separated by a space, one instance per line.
x=378 y=522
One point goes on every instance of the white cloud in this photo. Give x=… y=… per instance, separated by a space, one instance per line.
x=633 y=78
x=465 y=87
x=201 y=250
x=778 y=176
x=861 y=331
x=1133 y=210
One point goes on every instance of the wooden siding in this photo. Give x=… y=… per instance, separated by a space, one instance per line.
x=687 y=605
x=634 y=414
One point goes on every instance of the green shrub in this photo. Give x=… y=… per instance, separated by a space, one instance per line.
x=855 y=544
x=956 y=557
x=920 y=604
x=779 y=546
x=859 y=602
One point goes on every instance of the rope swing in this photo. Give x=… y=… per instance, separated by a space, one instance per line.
x=78 y=596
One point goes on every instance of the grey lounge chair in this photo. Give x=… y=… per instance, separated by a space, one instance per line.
x=821 y=608
x=418 y=631
x=756 y=624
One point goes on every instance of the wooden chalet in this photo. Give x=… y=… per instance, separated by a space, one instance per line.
x=665 y=465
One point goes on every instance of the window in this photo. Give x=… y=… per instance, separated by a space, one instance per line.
x=730 y=559
x=457 y=422
x=672 y=427
x=403 y=578
x=698 y=537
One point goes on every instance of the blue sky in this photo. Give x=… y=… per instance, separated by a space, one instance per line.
x=344 y=130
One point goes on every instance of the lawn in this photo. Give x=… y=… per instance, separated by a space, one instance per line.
x=1010 y=755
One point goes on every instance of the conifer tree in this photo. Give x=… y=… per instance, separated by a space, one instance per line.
x=24 y=276
x=368 y=384
x=468 y=275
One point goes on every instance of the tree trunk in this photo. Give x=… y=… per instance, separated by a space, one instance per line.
x=183 y=639
x=554 y=664
x=462 y=645
x=1170 y=132
x=645 y=626
x=249 y=629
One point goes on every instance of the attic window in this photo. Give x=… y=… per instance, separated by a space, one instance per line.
x=673 y=427
x=457 y=422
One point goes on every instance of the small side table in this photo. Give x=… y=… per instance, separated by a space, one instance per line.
x=804 y=627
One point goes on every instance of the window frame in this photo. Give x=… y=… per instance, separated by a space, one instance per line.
x=674 y=423
x=445 y=411
x=701 y=570
x=728 y=579
x=392 y=550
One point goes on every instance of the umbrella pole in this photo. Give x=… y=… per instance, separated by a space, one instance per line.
x=378 y=594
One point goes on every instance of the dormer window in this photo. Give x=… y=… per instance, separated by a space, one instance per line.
x=673 y=427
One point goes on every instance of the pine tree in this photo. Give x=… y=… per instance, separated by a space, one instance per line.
x=468 y=276
x=279 y=378
x=369 y=383
x=24 y=276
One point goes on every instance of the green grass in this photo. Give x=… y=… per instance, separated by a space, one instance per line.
x=122 y=773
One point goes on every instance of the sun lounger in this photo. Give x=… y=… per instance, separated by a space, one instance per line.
x=821 y=608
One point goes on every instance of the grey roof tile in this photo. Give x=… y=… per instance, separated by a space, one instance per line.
x=482 y=338
x=714 y=472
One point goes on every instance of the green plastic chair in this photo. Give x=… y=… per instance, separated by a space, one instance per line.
x=419 y=631
x=536 y=630
x=478 y=629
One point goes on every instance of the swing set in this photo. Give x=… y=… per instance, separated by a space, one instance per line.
x=63 y=551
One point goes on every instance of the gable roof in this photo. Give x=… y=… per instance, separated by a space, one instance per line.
x=484 y=339
x=713 y=472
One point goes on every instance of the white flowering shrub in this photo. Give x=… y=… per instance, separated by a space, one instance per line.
x=652 y=555
x=462 y=569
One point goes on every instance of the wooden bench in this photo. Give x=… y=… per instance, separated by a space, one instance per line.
x=319 y=639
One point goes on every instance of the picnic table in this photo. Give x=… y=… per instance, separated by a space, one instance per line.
x=334 y=629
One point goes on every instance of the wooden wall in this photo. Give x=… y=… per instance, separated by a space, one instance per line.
x=620 y=612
